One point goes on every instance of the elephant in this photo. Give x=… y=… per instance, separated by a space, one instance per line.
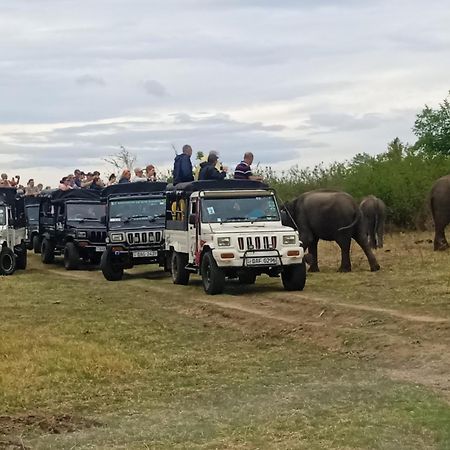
x=440 y=209
x=374 y=213
x=331 y=216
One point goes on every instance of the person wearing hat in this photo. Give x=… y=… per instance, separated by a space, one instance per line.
x=208 y=169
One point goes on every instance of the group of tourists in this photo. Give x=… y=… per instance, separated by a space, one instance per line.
x=29 y=190
x=92 y=180
x=183 y=172
x=210 y=169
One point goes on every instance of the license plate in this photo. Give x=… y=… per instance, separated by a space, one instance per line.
x=262 y=261
x=145 y=253
x=100 y=249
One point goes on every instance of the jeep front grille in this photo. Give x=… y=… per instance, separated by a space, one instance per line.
x=257 y=243
x=144 y=237
x=97 y=236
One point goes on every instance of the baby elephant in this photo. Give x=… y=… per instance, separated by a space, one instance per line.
x=374 y=213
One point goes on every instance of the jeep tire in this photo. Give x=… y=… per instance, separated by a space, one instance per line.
x=37 y=244
x=178 y=265
x=212 y=276
x=294 y=277
x=47 y=251
x=111 y=270
x=21 y=256
x=7 y=261
x=71 y=256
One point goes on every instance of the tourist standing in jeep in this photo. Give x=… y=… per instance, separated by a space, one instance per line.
x=135 y=218
x=230 y=229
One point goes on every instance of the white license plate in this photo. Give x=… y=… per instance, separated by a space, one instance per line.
x=100 y=249
x=145 y=254
x=262 y=261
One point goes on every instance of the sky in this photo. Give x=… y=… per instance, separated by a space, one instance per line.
x=297 y=82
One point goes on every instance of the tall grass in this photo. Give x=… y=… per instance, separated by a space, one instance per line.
x=402 y=178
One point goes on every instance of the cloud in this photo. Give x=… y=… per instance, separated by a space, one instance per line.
x=152 y=140
x=332 y=122
x=86 y=80
x=137 y=73
x=154 y=88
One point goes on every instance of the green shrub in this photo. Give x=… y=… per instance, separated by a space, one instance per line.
x=401 y=177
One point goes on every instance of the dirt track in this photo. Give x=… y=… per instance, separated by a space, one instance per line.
x=405 y=346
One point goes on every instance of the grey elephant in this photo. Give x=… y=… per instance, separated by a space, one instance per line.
x=440 y=209
x=374 y=213
x=331 y=216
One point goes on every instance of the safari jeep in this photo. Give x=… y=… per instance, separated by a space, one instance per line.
x=33 y=231
x=73 y=225
x=135 y=217
x=230 y=229
x=13 y=251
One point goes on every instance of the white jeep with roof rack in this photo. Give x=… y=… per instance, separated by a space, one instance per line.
x=13 y=250
x=230 y=229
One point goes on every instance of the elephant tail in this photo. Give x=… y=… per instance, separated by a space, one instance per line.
x=358 y=215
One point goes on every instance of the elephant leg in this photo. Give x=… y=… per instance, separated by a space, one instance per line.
x=313 y=259
x=372 y=234
x=380 y=233
x=373 y=263
x=440 y=241
x=344 y=244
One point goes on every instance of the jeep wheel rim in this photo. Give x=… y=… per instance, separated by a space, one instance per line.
x=208 y=275
x=7 y=263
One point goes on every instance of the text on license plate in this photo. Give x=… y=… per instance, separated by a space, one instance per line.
x=145 y=253
x=262 y=261
x=100 y=249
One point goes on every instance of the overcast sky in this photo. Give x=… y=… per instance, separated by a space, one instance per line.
x=294 y=81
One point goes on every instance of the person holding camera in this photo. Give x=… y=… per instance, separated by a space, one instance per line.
x=209 y=171
x=4 y=182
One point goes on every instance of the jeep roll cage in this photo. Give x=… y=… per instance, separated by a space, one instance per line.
x=10 y=198
x=133 y=189
x=178 y=197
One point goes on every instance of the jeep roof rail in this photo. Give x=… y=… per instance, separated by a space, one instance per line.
x=74 y=194
x=32 y=200
x=218 y=185
x=141 y=187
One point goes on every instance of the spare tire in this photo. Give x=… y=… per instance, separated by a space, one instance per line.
x=7 y=261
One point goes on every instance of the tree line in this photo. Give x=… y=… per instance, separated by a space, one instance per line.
x=402 y=175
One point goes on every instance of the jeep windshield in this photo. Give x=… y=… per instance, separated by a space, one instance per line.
x=240 y=209
x=33 y=213
x=136 y=212
x=85 y=212
x=2 y=216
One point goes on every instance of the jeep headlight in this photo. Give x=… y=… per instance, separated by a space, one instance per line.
x=81 y=234
x=289 y=239
x=224 y=241
x=117 y=237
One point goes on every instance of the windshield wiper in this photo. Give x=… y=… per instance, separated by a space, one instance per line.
x=139 y=216
x=265 y=218
x=232 y=219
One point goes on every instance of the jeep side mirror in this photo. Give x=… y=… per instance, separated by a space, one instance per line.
x=192 y=219
x=284 y=217
x=103 y=220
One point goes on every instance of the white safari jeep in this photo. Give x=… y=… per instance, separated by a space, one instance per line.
x=13 y=251
x=230 y=229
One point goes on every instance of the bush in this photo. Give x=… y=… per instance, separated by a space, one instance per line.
x=402 y=177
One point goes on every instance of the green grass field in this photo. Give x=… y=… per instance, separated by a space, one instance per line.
x=355 y=361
